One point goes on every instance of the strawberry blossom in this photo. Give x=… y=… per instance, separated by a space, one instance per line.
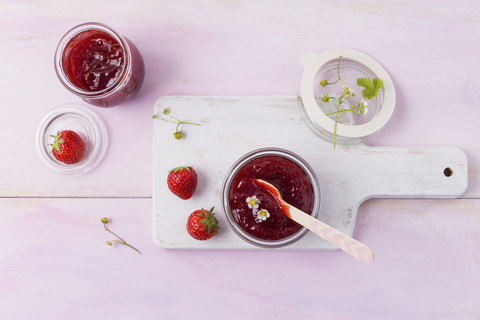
x=252 y=202
x=262 y=215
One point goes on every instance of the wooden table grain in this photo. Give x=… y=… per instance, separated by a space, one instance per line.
x=54 y=262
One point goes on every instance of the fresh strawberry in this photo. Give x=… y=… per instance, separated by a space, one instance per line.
x=68 y=147
x=202 y=224
x=182 y=181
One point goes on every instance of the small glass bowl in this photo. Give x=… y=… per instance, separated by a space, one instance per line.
x=226 y=189
x=351 y=128
x=80 y=120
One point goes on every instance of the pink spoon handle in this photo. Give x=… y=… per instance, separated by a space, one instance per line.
x=351 y=246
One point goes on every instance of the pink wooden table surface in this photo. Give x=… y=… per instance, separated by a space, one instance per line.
x=54 y=263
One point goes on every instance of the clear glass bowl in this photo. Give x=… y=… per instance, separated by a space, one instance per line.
x=80 y=120
x=226 y=189
x=351 y=128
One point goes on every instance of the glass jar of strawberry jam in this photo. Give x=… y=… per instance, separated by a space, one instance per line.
x=99 y=65
x=253 y=213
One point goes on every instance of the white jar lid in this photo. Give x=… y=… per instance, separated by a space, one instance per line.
x=312 y=63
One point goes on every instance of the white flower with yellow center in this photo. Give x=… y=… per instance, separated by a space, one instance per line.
x=262 y=215
x=348 y=91
x=252 y=202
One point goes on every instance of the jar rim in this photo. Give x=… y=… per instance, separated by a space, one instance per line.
x=268 y=151
x=312 y=62
x=59 y=52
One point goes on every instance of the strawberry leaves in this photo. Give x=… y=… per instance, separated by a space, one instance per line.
x=371 y=87
x=208 y=220
x=56 y=142
x=175 y=170
x=202 y=224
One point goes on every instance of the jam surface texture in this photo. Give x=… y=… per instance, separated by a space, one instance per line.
x=247 y=198
x=93 y=60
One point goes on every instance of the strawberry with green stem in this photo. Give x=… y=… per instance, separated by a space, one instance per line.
x=68 y=147
x=182 y=181
x=202 y=224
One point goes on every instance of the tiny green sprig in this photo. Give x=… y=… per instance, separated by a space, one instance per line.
x=178 y=134
x=119 y=240
x=370 y=91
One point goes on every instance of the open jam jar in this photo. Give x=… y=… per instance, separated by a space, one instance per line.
x=99 y=65
x=253 y=213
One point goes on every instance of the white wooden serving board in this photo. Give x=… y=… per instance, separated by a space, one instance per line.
x=234 y=125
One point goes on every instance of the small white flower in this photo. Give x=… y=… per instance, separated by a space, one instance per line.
x=252 y=202
x=348 y=91
x=364 y=105
x=262 y=215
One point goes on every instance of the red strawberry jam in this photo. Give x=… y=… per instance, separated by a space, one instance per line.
x=94 y=60
x=290 y=179
x=99 y=65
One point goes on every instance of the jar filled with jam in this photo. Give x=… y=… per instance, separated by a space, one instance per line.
x=99 y=65
x=253 y=213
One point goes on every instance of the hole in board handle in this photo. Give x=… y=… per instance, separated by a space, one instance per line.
x=448 y=172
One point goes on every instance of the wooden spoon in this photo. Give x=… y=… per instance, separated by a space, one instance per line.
x=351 y=246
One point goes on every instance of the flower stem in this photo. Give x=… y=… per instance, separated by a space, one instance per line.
x=132 y=247
x=338 y=72
x=177 y=134
x=352 y=109
x=335 y=128
x=336 y=112
x=105 y=226
x=120 y=239
x=174 y=118
x=166 y=120
x=183 y=122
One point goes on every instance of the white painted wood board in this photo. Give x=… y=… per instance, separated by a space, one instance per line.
x=234 y=125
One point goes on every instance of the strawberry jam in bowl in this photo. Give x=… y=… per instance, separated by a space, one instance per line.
x=99 y=65
x=253 y=213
